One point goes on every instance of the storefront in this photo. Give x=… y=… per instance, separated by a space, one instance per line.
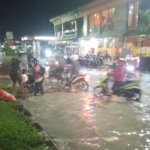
x=72 y=48
x=94 y=45
x=139 y=45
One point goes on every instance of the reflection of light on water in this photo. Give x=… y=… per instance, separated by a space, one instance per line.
x=91 y=127
x=87 y=115
x=86 y=112
x=90 y=141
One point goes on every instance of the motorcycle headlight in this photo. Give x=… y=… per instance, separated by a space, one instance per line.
x=48 y=53
x=130 y=68
x=56 y=63
x=87 y=77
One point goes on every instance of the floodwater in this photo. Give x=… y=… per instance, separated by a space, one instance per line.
x=84 y=123
x=79 y=121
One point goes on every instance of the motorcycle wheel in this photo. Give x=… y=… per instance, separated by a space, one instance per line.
x=28 y=89
x=81 y=85
x=61 y=83
x=98 y=91
x=137 y=96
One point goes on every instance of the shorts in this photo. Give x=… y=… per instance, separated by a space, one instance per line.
x=15 y=77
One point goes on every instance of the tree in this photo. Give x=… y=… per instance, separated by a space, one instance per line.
x=142 y=27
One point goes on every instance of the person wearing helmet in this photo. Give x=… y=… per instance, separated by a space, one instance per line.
x=37 y=74
x=74 y=68
x=119 y=72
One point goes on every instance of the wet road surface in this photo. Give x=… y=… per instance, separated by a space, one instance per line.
x=79 y=121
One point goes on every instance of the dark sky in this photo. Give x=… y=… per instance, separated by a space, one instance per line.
x=31 y=17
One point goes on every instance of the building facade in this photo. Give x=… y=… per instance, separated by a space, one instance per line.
x=98 y=26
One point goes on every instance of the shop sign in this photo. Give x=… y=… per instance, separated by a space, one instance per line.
x=10 y=42
x=132 y=39
x=9 y=35
x=144 y=49
x=146 y=41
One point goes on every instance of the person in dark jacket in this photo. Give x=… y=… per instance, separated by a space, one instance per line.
x=61 y=65
x=74 y=69
x=29 y=56
x=16 y=72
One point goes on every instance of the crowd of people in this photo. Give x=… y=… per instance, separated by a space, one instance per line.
x=38 y=72
x=16 y=71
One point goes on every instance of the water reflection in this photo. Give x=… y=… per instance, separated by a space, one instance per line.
x=87 y=109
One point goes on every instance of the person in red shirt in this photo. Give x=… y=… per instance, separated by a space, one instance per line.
x=37 y=74
x=119 y=72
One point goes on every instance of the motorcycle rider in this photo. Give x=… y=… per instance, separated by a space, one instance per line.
x=119 y=72
x=74 y=69
x=61 y=65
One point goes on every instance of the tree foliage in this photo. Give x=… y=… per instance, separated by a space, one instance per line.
x=142 y=27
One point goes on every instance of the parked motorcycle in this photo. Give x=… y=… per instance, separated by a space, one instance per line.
x=91 y=61
x=129 y=89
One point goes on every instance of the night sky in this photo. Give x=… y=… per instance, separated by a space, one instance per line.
x=31 y=17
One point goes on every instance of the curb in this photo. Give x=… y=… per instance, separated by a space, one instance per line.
x=47 y=139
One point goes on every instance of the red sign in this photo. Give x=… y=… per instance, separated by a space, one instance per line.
x=10 y=42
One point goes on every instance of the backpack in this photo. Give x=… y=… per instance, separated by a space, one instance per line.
x=14 y=64
x=42 y=70
x=13 y=61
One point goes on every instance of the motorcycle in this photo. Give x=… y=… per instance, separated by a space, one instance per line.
x=100 y=61
x=129 y=89
x=79 y=82
x=28 y=82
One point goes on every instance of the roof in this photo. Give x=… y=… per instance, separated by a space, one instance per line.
x=76 y=13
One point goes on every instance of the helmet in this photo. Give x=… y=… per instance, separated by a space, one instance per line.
x=74 y=57
x=34 y=60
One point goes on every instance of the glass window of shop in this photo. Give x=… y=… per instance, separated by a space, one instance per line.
x=107 y=19
x=94 y=23
x=133 y=14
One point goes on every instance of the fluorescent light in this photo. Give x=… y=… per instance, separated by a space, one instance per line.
x=24 y=38
x=44 y=38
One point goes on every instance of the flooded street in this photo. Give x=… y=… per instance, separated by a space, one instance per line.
x=79 y=121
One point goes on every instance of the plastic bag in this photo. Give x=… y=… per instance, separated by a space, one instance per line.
x=6 y=96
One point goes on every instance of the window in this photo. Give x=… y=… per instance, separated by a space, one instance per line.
x=107 y=19
x=94 y=23
x=133 y=14
x=111 y=18
x=69 y=25
x=58 y=28
x=143 y=5
x=104 y=20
